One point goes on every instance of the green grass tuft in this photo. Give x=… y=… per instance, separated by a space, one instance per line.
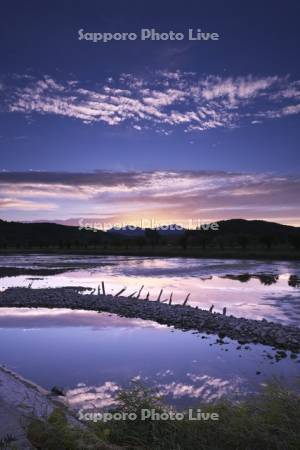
x=268 y=421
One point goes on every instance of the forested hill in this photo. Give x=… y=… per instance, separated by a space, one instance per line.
x=236 y=232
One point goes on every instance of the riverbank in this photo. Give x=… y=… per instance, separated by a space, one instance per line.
x=276 y=254
x=20 y=401
x=183 y=317
x=27 y=409
x=269 y=420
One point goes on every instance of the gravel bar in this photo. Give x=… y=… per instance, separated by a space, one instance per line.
x=181 y=317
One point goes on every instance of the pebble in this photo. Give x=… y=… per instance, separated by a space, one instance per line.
x=182 y=317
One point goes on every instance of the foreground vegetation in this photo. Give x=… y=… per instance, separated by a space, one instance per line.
x=269 y=421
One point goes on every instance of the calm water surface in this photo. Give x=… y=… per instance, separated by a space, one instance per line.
x=92 y=355
x=203 y=278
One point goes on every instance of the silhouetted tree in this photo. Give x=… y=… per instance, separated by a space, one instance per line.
x=294 y=240
x=243 y=241
x=183 y=242
x=268 y=240
x=203 y=242
x=140 y=241
x=152 y=236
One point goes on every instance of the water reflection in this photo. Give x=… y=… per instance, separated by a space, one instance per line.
x=29 y=318
x=247 y=288
x=265 y=278
x=199 y=388
x=294 y=281
x=91 y=397
x=288 y=304
x=94 y=355
x=204 y=387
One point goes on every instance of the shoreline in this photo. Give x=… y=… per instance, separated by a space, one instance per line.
x=43 y=421
x=21 y=400
x=271 y=255
x=26 y=409
x=183 y=317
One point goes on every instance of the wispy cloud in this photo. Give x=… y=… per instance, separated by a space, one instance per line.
x=163 y=195
x=163 y=100
x=25 y=205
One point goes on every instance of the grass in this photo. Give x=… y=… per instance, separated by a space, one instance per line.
x=8 y=443
x=57 y=434
x=269 y=421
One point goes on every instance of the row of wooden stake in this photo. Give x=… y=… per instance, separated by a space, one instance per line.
x=139 y=293
x=148 y=296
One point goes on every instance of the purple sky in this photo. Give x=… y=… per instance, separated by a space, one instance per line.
x=121 y=132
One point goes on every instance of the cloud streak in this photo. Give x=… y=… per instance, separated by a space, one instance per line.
x=163 y=195
x=162 y=101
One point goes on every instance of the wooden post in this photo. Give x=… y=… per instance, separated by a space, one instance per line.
x=185 y=301
x=131 y=295
x=103 y=288
x=158 y=298
x=120 y=292
x=99 y=290
x=147 y=296
x=139 y=293
x=171 y=297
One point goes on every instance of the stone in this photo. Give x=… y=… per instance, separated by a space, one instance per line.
x=56 y=390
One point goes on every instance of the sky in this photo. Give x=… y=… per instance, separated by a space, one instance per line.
x=158 y=129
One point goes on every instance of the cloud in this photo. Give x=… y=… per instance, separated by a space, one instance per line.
x=25 y=205
x=27 y=318
x=206 y=387
x=161 y=101
x=91 y=397
x=128 y=197
x=234 y=90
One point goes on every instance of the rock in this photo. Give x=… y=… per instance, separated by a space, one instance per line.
x=187 y=318
x=56 y=390
x=280 y=354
